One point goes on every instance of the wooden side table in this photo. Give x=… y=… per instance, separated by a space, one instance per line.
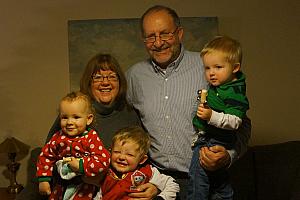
x=4 y=195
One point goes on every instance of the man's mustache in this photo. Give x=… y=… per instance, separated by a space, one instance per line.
x=160 y=48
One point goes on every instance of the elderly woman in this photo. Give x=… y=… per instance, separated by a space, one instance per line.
x=104 y=81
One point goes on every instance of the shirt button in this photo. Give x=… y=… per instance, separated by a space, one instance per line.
x=166 y=79
x=167 y=116
x=166 y=97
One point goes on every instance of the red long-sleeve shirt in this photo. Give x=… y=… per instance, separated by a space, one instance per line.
x=88 y=146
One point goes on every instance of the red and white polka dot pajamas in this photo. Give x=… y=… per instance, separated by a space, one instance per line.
x=94 y=159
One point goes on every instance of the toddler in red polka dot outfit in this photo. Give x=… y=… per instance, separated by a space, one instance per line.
x=76 y=149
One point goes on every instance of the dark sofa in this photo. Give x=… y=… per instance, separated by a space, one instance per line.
x=268 y=172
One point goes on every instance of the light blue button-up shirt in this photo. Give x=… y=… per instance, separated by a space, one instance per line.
x=167 y=101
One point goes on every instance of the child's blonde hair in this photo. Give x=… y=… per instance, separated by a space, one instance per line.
x=75 y=96
x=135 y=134
x=230 y=47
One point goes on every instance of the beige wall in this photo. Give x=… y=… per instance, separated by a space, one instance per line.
x=34 y=60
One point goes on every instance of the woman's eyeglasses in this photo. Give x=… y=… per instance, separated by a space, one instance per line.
x=100 y=78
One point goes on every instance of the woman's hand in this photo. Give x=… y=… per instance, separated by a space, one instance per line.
x=145 y=191
x=44 y=188
x=94 y=180
x=213 y=158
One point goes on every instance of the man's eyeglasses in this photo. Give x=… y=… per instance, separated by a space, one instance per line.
x=162 y=36
x=100 y=77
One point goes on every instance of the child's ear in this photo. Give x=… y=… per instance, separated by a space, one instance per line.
x=236 y=67
x=90 y=119
x=143 y=159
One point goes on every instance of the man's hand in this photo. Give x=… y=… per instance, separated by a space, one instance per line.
x=213 y=158
x=145 y=191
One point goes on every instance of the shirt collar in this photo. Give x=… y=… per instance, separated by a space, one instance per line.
x=173 y=65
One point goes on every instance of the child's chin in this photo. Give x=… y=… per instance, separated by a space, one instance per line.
x=122 y=170
x=72 y=134
x=215 y=84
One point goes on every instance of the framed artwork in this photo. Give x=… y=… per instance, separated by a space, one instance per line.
x=122 y=39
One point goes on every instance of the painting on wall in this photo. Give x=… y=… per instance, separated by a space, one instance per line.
x=122 y=39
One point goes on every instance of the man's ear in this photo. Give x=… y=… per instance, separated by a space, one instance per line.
x=236 y=67
x=180 y=33
x=143 y=159
x=90 y=119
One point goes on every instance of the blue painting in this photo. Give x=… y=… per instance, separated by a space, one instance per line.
x=122 y=39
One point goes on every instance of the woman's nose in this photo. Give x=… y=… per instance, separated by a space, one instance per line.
x=105 y=82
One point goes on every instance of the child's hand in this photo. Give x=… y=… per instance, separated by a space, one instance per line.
x=74 y=164
x=44 y=188
x=204 y=112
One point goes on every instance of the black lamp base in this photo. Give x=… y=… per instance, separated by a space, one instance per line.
x=15 y=188
x=13 y=167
